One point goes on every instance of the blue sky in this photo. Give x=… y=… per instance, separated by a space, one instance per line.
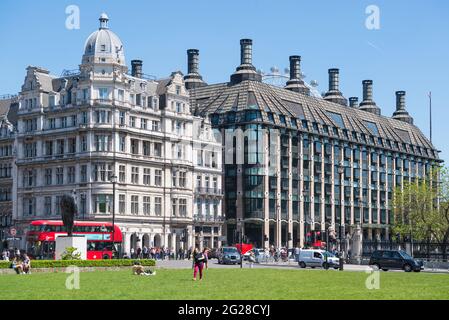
x=409 y=52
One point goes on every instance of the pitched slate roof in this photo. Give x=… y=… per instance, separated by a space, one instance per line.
x=223 y=97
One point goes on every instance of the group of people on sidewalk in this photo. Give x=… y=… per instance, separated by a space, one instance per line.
x=158 y=253
x=199 y=263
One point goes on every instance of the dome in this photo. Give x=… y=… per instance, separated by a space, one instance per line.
x=103 y=45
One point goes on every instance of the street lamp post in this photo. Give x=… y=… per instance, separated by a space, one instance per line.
x=340 y=172
x=114 y=181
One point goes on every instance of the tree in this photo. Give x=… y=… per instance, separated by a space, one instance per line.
x=421 y=208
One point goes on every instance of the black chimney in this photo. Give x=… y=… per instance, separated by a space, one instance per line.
x=296 y=83
x=246 y=70
x=354 y=102
x=401 y=113
x=136 y=68
x=334 y=93
x=193 y=79
x=368 y=103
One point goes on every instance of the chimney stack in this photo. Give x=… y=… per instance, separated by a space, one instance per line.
x=295 y=69
x=136 y=68
x=246 y=51
x=400 y=100
x=334 y=94
x=193 y=78
x=401 y=113
x=354 y=102
x=296 y=83
x=246 y=70
x=368 y=103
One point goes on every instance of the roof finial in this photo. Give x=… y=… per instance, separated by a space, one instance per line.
x=104 y=21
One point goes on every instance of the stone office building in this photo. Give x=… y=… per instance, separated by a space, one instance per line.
x=79 y=132
x=8 y=113
x=318 y=162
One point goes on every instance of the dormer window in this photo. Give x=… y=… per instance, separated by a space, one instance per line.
x=103 y=47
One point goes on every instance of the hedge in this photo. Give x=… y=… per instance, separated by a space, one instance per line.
x=82 y=263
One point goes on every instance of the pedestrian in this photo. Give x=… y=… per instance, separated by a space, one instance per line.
x=139 y=253
x=251 y=258
x=145 y=252
x=198 y=260
x=132 y=253
x=297 y=251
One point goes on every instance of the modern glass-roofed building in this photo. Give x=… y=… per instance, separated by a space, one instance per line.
x=294 y=163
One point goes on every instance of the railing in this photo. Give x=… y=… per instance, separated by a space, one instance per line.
x=212 y=191
x=207 y=218
x=421 y=250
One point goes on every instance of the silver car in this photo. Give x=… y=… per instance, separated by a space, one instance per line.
x=228 y=255
x=317 y=258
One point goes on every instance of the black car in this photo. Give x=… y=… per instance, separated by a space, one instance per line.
x=395 y=259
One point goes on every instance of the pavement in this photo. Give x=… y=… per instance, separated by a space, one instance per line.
x=186 y=264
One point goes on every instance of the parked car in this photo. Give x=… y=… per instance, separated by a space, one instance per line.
x=228 y=255
x=395 y=259
x=260 y=255
x=213 y=254
x=317 y=258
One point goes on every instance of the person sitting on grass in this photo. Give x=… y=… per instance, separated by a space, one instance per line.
x=26 y=264
x=17 y=265
x=139 y=270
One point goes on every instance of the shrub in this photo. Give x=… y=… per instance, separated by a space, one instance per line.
x=82 y=263
x=70 y=254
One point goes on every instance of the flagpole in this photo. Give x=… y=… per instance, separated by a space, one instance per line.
x=430 y=110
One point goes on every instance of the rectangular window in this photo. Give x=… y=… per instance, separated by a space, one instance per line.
x=103 y=93
x=135 y=175
x=122 y=174
x=146 y=148
x=174 y=207
x=48 y=148
x=132 y=122
x=72 y=145
x=102 y=172
x=121 y=204
x=48 y=176
x=83 y=173
x=122 y=118
x=158 y=206
x=122 y=144
x=103 y=143
x=183 y=207
x=60 y=146
x=60 y=176
x=158 y=178
x=47 y=206
x=134 y=204
x=146 y=176
x=71 y=174
x=121 y=95
x=155 y=125
x=157 y=149
x=146 y=205
x=134 y=146
x=103 y=203
x=143 y=123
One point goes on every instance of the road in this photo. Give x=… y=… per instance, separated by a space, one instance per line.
x=183 y=264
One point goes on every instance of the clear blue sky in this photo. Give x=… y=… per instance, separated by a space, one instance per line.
x=410 y=51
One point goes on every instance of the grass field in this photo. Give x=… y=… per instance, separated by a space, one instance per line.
x=244 y=284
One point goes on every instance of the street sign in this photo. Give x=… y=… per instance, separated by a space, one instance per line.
x=13 y=239
x=13 y=232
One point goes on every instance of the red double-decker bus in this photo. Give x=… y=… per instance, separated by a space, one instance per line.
x=42 y=234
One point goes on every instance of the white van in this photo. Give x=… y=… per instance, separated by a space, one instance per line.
x=317 y=258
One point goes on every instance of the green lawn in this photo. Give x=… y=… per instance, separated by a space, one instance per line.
x=226 y=284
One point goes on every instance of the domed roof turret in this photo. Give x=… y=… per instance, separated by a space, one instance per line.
x=103 y=45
